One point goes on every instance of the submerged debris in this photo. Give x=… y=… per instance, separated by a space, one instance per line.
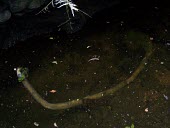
x=166 y=97
x=162 y=62
x=151 y=38
x=94 y=58
x=36 y=124
x=55 y=125
x=51 y=38
x=54 y=62
x=146 y=109
x=88 y=46
x=53 y=91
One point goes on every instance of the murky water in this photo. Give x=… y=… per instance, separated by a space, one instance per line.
x=103 y=54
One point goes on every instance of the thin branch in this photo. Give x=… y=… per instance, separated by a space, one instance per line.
x=84 y=13
x=46 y=7
x=64 y=23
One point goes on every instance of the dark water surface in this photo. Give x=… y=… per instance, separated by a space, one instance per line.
x=105 y=52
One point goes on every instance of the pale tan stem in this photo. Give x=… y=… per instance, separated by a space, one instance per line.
x=73 y=103
x=45 y=104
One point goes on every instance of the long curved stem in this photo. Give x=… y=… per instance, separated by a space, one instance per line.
x=73 y=103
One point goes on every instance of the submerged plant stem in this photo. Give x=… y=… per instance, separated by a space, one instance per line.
x=73 y=103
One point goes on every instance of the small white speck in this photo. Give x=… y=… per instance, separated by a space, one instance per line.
x=95 y=58
x=51 y=38
x=146 y=109
x=156 y=8
x=54 y=62
x=168 y=44
x=55 y=125
x=162 y=62
x=166 y=97
x=36 y=124
x=46 y=93
x=121 y=23
x=88 y=46
x=151 y=38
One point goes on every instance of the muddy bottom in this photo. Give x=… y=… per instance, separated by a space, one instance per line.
x=104 y=53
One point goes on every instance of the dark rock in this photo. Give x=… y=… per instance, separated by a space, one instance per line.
x=22 y=22
x=35 y=4
x=5 y=15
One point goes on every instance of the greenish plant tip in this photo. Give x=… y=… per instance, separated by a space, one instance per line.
x=22 y=73
x=132 y=126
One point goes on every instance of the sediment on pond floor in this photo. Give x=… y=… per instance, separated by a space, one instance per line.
x=143 y=103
